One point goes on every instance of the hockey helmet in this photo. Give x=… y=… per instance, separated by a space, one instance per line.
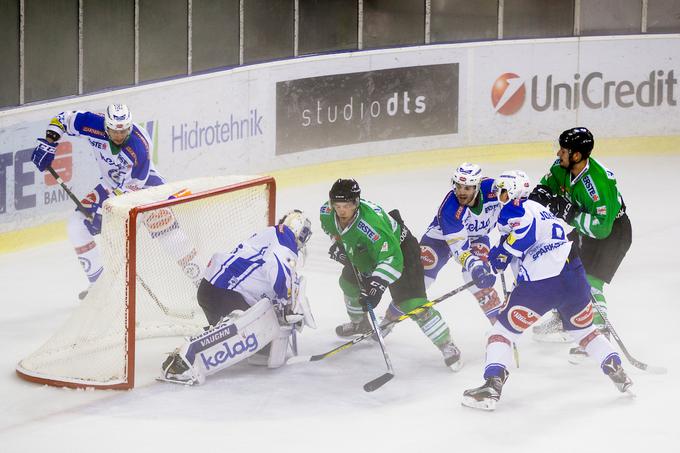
x=300 y=225
x=117 y=118
x=515 y=182
x=345 y=190
x=577 y=139
x=467 y=175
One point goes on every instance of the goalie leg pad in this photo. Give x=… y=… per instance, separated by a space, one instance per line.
x=232 y=340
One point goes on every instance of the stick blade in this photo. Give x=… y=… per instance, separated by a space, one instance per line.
x=656 y=369
x=378 y=382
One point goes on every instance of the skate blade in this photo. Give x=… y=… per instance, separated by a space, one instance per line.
x=485 y=405
x=456 y=366
x=187 y=383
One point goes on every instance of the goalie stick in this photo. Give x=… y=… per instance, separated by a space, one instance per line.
x=633 y=361
x=184 y=314
x=352 y=342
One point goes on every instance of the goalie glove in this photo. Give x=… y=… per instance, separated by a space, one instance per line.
x=372 y=290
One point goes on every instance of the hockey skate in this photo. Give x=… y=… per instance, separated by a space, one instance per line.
x=452 y=357
x=486 y=396
x=177 y=371
x=618 y=376
x=577 y=355
x=351 y=329
x=551 y=331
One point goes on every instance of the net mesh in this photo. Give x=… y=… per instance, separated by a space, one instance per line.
x=174 y=242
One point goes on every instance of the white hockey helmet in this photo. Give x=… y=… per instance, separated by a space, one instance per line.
x=299 y=225
x=467 y=175
x=118 y=117
x=515 y=182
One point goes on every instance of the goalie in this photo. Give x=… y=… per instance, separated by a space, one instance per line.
x=254 y=301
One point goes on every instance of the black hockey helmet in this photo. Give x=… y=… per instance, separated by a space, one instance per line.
x=577 y=139
x=344 y=190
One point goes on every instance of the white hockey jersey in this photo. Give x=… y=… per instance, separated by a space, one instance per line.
x=261 y=266
x=122 y=169
x=536 y=238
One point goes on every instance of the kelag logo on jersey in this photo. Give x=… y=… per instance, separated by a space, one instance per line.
x=368 y=231
x=388 y=104
x=590 y=187
x=594 y=90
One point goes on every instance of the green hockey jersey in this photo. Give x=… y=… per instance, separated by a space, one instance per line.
x=372 y=240
x=593 y=191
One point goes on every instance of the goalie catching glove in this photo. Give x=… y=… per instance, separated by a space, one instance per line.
x=371 y=292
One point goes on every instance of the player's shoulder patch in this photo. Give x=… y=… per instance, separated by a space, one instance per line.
x=326 y=209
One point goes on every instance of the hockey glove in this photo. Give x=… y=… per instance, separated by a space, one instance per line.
x=499 y=258
x=337 y=253
x=43 y=154
x=94 y=224
x=371 y=292
x=541 y=195
x=563 y=208
x=482 y=276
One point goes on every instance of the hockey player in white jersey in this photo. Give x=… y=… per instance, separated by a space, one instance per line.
x=253 y=299
x=123 y=154
x=461 y=230
x=549 y=275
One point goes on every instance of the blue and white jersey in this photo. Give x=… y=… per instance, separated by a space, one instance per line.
x=536 y=238
x=122 y=169
x=458 y=225
x=261 y=266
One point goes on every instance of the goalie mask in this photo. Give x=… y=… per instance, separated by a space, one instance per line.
x=299 y=225
x=515 y=182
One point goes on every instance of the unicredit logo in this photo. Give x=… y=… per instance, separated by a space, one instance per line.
x=594 y=90
x=508 y=93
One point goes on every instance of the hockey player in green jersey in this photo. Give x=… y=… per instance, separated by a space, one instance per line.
x=385 y=254
x=580 y=190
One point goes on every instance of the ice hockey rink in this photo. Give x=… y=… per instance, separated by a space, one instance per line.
x=547 y=404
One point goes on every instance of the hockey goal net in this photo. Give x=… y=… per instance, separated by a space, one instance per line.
x=155 y=244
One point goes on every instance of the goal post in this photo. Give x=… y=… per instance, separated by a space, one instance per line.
x=155 y=244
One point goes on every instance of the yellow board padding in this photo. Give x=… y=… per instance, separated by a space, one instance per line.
x=391 y=163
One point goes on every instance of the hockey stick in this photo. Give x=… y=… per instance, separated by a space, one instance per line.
x=633 y=361
x=386 y=377
x=352 y=342
x=86 y=213
x=506 y=294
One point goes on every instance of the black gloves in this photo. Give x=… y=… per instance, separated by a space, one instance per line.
x=541 y=195
x=563 y=208
x=372 y=290
x=337 y=253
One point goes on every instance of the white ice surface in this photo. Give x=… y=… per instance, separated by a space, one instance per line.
x=548 y=405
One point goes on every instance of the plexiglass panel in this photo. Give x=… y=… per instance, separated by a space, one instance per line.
x=327 y=25
x=108 y=44
x=9 y=53
x=268 y=30
x=50 y=49
x=663 y=16
x=162 y=39
x=611 y=17
x=538 y=18
x=215 y=34
x=393 y=23
x=463 y=20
